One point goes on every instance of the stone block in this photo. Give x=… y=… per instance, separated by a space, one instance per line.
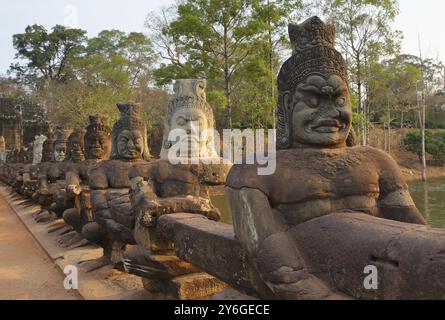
x=195 y=286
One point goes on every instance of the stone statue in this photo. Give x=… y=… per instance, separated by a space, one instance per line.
x=48 y=147
x=75 y=145
x=160 y=187
x=189 y=111
x=109 y=184
x=73 y=157
x=38 y=148
x=97 y=146
x=317 y=173
x=31 y=173
x=51 y=175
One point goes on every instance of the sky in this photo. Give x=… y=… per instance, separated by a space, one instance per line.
x=417 y=18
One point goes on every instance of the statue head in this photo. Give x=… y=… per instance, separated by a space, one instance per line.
x=188 y=110
x=48 y=147
x=97 y=141
x=37 y=148
x=314 y=107
x=60 y=145
x=75 y=150
x=129 y=135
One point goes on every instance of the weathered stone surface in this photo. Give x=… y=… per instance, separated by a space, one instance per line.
x=164 y=265
x=208 y=245
x=410 y=259
x=187 y=108
x=21 y=121
x=195 y=286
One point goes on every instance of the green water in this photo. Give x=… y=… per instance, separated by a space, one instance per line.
x=220 y=202
x=430 y=200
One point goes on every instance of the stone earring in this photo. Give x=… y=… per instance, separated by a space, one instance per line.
x=283 y=126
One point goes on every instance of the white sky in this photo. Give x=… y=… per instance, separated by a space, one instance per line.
x=424 y=18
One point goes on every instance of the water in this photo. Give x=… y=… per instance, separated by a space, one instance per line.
x=220 y=202
x=430 y=200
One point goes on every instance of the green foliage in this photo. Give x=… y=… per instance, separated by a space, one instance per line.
x=76 y=76
x=233 y=44
x=436 y=147
x=47 y=54
x=434 y=144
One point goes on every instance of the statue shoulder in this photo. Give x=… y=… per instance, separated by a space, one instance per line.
x=391 y=176
x=246 y=176
x=380 y=157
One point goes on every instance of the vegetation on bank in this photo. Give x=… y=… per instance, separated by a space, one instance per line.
x=434 y=144
x=238 y=46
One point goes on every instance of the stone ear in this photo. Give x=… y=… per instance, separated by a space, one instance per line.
x=283 y=126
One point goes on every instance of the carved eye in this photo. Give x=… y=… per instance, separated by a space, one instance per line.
x=312 y=101
x=340 y=102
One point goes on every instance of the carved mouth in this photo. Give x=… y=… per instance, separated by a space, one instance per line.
x=328 y=126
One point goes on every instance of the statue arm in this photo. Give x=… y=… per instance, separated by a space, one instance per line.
x=395 y=202
x=262 y=232
x=73 y=187
x=43 y=183
x=100 y=206
x=399 y=206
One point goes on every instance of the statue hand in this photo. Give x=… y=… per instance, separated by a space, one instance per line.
x=149 y=215
x=73 y=190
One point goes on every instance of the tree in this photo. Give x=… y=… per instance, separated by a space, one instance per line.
x=272 y=19
x=213 y=36
x=74 y=76
x=46 y=55
x=393 y=86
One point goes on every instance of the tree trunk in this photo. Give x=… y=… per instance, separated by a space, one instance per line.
x=227 y=81
x=401 y=119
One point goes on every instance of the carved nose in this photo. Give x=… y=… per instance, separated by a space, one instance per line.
x=330 y=109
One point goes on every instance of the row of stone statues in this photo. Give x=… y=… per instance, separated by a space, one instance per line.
x=103 y=182
x=111 y=192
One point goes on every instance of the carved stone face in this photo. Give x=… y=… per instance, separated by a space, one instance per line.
x=321 y=112
x=59 y=151
x=194 y=122
x=97 y=145
x=76 y=151
x=130 y=144
x=38 y=148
